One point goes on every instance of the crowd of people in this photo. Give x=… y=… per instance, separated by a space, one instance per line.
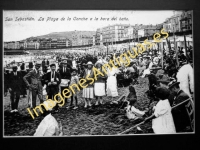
x=167 y=89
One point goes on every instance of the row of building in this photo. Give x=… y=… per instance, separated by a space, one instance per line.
x=34 y=43
x=181 y=21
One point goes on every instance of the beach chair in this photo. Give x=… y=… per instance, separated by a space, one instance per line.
x=190 y=112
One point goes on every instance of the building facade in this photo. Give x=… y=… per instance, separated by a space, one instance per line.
x=98 y=37
x=45 y=43
x=129 y=32
x=5 y=45
x=11 y=45
x=148 y=30
x=82 y=39
x=113 y=33
x=172 y=24
x=68 y=43
x=54 y=43
x=186 y=21
x=61 y=43
x=21 y=44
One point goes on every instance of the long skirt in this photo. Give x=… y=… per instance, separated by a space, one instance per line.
x=112 y=86
x=99 y=89
x=88 y=92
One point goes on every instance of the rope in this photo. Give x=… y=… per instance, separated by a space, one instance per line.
x=151 y=117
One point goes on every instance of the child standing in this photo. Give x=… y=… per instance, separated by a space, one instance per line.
x=74 y=80
x=163 y=123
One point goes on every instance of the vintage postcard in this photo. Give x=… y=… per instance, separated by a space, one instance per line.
x=97 y=72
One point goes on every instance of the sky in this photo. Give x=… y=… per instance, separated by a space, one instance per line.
x=18 y=30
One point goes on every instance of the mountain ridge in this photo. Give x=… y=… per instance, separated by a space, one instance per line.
x=66 y=34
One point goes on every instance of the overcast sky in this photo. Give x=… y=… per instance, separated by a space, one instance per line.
x=19 y=30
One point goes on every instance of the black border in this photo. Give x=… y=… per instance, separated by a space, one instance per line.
x=179 y=141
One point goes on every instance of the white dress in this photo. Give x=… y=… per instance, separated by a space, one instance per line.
x=164 y=123
x=185 y=76
x=89 y=91
x=112 y=82
x=99 y=88
x=47 y=126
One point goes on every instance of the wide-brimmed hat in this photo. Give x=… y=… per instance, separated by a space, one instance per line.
x=46 y=67
x=173 y=83
x=146 y=56
x=53 y=65
x=74 y=69
x=64 y=61
x=38 y=64
x=165 y=81
x=14 y=66
x=89 y=63
x=99 y=62
x=84 y=64
x=155 y=68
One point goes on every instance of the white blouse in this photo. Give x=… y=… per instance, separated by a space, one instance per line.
x=47 y=126
x=163 y=123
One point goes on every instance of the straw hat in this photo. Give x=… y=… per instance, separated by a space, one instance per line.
x=89 y=63
x=14 y=66
x=74 y=69
x=53 y=65
x=165 y=81
x=173 y=83
x=38 y=64
x=99 y=62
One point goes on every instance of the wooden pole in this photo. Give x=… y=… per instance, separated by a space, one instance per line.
x=149 y=118
x=169 y=46
x=177 y=62
x=162 y=54
x=186 y=48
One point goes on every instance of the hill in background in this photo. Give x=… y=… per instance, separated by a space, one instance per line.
x=69 y=34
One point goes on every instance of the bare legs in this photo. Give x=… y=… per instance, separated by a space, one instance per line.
x=87 y=102
x=99 y=100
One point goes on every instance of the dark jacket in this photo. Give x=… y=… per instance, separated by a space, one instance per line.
x=101 y=79
x=15 y=82
x=52 y=88
x=180 y=116
x=43 y=63
x=65 y=75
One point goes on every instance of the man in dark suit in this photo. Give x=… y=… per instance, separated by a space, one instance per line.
x=65 y=75
x=180 y=116
x=35 y=86
x=6 y=81
x=45 y=63
x=52 y=80
x=15 y=83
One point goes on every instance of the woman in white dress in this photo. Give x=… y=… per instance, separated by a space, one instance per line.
x=163 y=123
x=88 y=92
x=99 y=85
x=112 y=83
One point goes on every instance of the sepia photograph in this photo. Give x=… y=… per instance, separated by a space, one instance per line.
x=72 y=73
